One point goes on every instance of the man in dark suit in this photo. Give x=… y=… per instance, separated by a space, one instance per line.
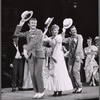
x=34 y=53
x=16 y=63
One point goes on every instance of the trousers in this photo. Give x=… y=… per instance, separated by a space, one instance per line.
x=17 y=72
x=74 y=72
x=36 y=71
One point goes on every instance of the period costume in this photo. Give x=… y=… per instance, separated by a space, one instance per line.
x=58 y=79
x=15 y=58
x=74 y=64
x=90 y=64
x=36 y=55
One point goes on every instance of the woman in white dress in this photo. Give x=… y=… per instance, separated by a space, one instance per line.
x=58 y=79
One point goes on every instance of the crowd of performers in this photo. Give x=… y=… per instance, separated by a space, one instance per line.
x=45 y=66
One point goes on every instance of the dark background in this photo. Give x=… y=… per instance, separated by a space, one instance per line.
x=83 y=12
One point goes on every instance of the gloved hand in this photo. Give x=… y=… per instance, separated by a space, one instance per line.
x=25 y=54
x=22 y=22
x=11 y=65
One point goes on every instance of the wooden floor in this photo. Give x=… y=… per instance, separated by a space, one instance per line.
x=88 y=93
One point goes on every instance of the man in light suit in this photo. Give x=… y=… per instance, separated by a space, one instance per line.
x=34 y=53
x=75 y=57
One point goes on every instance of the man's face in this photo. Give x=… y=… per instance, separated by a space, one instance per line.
x=32 y=24
x=97 y=41
x=73 y=31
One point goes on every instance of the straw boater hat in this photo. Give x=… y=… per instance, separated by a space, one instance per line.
x=26 y=15
x=67 y=22
x=48 y=21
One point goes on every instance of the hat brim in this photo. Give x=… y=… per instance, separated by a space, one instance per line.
x=49 y=21
x=26 y=15
x=67 y=23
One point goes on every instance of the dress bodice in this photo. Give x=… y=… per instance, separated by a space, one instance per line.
x=89 y=50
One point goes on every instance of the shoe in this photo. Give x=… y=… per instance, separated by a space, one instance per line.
x=79 y=90
x=13 y=90
x=59 y=93
x=20 y=88
x=40 y=95
x=75 y=90
x=55 y=94
x=36 y=95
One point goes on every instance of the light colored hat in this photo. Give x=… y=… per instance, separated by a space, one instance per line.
x=26 y=15
x=48 y=21
x=96 y=38
x=67 y=22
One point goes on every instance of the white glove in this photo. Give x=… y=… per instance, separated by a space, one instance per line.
x=63 y=30
x=21 y=23
x=11 y=65
x=25 y=54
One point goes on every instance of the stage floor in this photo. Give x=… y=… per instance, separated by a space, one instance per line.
x=88 y=93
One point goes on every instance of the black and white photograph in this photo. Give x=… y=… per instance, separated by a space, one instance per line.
x=49 y=49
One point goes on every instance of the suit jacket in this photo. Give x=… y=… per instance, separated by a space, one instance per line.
x=34 y=40
x=11 y=52
x=79 y=47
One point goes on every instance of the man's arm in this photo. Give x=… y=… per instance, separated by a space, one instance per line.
x=64 y=40
x=79 y=49
x=18 y=29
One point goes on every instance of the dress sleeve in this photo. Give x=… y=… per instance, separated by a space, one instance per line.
x=94 y=48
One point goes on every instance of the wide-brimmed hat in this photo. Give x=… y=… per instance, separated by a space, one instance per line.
x=48 y=21
x=26 y=15
x=67 y=22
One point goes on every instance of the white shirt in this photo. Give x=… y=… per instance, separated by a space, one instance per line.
x=18 y=55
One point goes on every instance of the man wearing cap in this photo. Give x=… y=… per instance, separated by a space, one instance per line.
x=16 y=63
x=75 y=57
x=34 y=53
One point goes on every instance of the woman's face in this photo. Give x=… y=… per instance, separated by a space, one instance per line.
x=89 y=41
x=55 y=32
